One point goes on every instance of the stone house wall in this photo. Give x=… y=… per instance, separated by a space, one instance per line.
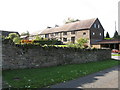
x=17 y=57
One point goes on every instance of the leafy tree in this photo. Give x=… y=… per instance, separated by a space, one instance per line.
x=25 y=33
x=38 y=38
x=17 y=40
x=81 y=42
x=69 y=20
x=115 y=34
x=107 y=35
x=12 y=36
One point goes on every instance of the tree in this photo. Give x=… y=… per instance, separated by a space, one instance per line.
x=17 y=40
x=12 y=36
x=81 y=42
x=107 y=35
x=115 y=34
x=38 y=38
x=69 y=20
x=25 y=33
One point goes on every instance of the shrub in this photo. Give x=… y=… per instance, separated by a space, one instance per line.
x=47 y=42
x=17 y=40
x=81 y=43
x=27 y=41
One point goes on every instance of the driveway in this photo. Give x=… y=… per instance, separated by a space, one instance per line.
x=104 y=79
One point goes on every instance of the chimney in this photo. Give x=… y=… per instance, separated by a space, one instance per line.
x=49 y=27
x=56 y=25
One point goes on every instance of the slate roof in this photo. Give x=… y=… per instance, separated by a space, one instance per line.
x=78 y=25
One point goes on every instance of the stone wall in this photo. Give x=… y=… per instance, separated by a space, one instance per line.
x=16 y=57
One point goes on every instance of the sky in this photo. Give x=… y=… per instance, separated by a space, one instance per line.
x=36 y=15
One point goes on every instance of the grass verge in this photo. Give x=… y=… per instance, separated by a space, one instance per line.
x=115 y=54
x=43 y=77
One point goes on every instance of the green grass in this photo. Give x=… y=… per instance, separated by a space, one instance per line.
x=108 y=38
x=43 y=77
x=115 y=54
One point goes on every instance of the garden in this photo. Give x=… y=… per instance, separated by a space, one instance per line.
x=15 y=39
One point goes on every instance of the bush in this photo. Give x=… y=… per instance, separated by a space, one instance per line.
x=27 y=41
x=47 y=42
x=81 y=43
x=17 y=40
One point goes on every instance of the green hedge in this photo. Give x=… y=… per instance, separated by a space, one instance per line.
x=47 y=42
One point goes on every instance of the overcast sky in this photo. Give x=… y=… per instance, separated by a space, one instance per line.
x=34 y=15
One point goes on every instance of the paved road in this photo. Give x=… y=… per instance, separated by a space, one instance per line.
x=103 y=79
x=116 y=57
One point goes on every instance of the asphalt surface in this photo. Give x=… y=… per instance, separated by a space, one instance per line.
x=104 y=79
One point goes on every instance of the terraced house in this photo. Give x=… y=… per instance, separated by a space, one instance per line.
x=71 y=32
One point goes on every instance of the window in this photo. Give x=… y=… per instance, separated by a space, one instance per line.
x=65 y=39
x=84 y=33
x=64 y=33
x=94 y=25
x=93 y=33
x=72 y=32
x=56 y=34
x=52 y=34
x=98 y=26
x=46 y=35
x=72 y=39
x=100 y=34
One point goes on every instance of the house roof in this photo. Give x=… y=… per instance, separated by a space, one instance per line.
x=109 y=42
x=6 y=33
x=78 y=25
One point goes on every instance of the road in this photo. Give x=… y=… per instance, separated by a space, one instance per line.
x=104 y=79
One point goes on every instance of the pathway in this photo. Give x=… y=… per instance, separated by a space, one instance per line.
x=104 y=79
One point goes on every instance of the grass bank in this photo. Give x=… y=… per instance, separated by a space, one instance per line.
x=43 y=77
x=115 y=54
